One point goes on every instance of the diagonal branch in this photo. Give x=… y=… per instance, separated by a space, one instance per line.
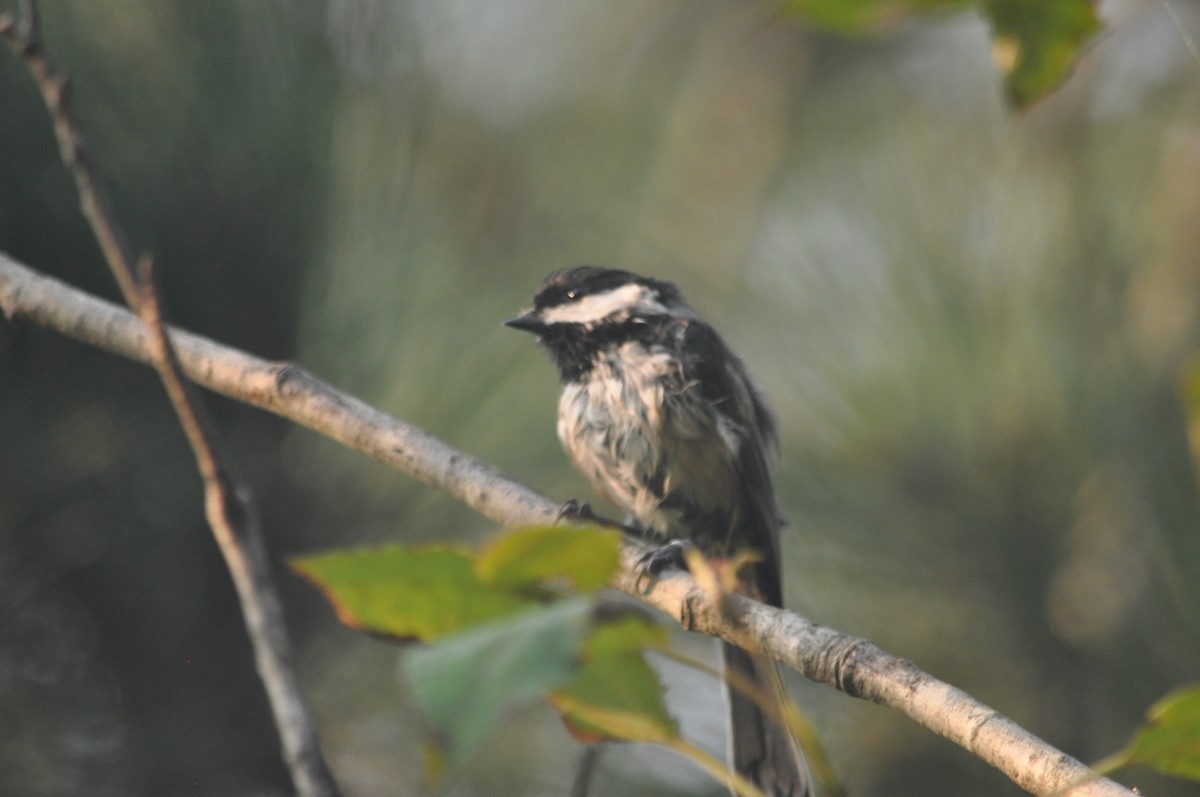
x=282 y=388
x=847 y=663
x=229 y=506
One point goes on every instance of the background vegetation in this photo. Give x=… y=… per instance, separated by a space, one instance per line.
x=972 y=321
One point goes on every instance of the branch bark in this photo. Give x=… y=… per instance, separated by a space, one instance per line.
x=850 y=664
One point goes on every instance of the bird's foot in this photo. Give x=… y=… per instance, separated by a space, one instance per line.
x=575 y=511
x=653 y=563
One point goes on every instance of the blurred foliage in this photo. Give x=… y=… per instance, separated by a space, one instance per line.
x=972 y=325
x=506 y=633
x=615 y=694
x=866 y=16
x=425 y=592
x=408 y=593
x=467 y=683
x=509 y=626
x=1170 y=740
x=590 y=667
x=1035 y=43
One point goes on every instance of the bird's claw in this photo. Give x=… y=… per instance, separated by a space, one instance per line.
x=650 y=565
x=575 y=511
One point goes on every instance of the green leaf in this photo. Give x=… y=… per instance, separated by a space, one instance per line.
x=1191 y=388
x=408 y=593
x=466 y=683
x=1037 y=42
x=1170 y=739
x=864 y=16
x=592 y=671
x=1191 y=401
x=496 y=646
x=426 y=592
x=616 y=694
x=586 y=558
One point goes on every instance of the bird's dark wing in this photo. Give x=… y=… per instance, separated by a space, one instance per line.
x=748 y=427
x=763 y=750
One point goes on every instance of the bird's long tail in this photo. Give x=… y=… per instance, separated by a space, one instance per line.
x=763 y=751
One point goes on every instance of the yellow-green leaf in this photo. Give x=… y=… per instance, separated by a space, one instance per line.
x=584 y=558
x=616 y=694
x=1170 y=739
x=408 y=593
x=1036 y=43
x=864 y=16
x=1191 y=401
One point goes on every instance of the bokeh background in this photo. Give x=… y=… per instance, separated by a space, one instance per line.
x=972 y=322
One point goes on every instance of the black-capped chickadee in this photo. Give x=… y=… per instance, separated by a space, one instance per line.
x=663 y=419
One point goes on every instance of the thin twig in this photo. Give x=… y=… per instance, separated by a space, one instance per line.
x=850 y=664
x=229 y=505
x=585 y=770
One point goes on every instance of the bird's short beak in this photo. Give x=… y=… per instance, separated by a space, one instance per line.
x=529 y=322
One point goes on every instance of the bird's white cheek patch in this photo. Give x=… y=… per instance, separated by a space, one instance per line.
x=597 y=307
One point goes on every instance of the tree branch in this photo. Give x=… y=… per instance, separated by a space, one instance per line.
x=282 y=388
x=850 y=664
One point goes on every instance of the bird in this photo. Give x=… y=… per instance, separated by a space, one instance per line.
x=665 y=422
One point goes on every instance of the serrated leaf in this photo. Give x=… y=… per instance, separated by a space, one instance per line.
x=409 y=593
x=1170 y=739
x=583 y=557
x=616 y=694
x=466 y=683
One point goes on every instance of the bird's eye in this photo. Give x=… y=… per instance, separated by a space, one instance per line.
x=571 y=296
